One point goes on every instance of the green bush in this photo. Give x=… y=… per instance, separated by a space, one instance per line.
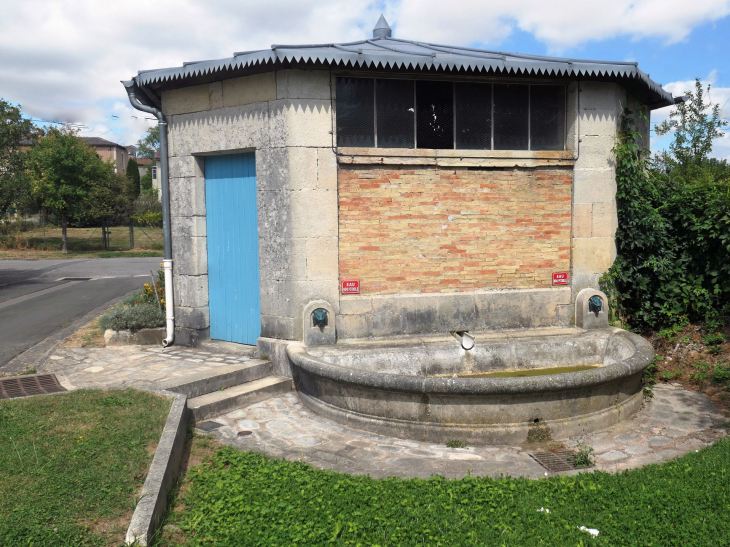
x=124 y=316
x=673 y=242
x=149 y=219
x=721 y=374
x=714 y=339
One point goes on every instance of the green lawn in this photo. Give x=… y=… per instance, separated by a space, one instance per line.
x=46 y=243
x=71 y=465
x=243 y=498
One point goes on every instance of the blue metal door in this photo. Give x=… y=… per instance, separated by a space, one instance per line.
x=233 y=248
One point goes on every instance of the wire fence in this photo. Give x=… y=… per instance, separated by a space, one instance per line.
x=35 y=232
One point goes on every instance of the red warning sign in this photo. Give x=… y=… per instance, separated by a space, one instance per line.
x=560 y=278
x=350 y=286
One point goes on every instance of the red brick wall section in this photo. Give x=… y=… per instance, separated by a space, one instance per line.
x=445 y=230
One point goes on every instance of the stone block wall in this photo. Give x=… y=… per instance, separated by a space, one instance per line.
x=404 y=230
x=285 y=117
x=452 y=247
x=594 y=186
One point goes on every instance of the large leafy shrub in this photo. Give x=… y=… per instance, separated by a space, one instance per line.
x=673 y=241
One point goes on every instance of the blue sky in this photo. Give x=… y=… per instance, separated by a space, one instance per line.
x=63 y=60
x=704 y=54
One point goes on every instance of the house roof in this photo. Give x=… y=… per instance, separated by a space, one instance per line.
x=383 y=52
x=97 y=141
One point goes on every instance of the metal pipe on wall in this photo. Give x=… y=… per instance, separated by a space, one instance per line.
x=131 y=88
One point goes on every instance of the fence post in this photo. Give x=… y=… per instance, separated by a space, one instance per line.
x=131 y=233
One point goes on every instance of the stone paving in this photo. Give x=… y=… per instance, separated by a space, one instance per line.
x=145 y=367
x=674 y=422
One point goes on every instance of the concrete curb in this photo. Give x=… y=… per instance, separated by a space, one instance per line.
x=161 y=475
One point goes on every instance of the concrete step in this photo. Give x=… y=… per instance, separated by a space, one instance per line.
x=219 y=402
x=220 y=377
x=220 y=346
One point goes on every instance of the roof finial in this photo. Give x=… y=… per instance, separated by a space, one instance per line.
x=382 y=30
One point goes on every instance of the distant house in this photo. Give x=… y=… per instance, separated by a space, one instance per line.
x=156 y=178
x=144 y=165
x=108 y=150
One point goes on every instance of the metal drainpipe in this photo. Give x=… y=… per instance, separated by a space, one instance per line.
x=166 y=229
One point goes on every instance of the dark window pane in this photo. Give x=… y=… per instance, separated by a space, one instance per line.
x=435 y=115
x=355 y=112
x=511 y=116
x=473 y=116
x=547 y=117
x=394 y=107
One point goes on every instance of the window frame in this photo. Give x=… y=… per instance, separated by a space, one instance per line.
x=561 y=82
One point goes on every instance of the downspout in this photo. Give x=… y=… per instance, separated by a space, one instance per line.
x=166 y=229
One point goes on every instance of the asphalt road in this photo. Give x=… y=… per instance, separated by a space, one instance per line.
x=37 y=299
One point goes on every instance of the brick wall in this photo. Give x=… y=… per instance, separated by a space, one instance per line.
x=444 y=230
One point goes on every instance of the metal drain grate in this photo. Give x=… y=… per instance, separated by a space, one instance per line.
x=560 y=460
x=24 y=386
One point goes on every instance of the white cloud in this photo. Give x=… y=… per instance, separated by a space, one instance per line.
x=64 y=59
x=560 y=24
x=718 y=95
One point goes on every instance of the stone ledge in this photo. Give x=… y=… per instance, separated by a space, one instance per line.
x=161 y=476
x=455 y=158
x=142 y=337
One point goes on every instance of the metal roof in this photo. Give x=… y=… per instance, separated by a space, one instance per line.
x=391 y=53
x=97 y=141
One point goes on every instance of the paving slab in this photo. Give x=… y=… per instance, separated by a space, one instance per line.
x=283 y=428
x=130 y=366
x=672 y=423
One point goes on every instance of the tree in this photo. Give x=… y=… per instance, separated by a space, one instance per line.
x=147 y=147
x=64 y=172
x=133 y=178
x=696 y=123
x=146 y=184
x=16 y=134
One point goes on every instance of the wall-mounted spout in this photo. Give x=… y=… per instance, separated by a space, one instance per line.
x=595 y=304
x=464 y=338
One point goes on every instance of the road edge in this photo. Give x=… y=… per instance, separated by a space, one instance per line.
x=37 y=355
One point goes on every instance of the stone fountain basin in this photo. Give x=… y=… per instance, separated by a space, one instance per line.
x=397 y=387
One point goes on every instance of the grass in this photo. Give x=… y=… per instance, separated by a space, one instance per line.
x=88 y=336
x=241 y=498
x=86 y=242
x=72 y=463
x=456 y=444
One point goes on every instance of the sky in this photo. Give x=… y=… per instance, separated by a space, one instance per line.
x=63 y=60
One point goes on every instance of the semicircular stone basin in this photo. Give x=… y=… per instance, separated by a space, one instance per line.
x=550 y=385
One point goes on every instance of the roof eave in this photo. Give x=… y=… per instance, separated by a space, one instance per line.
x=390 y=55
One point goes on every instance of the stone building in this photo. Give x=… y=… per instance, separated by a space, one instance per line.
x=108 y=150
x=454 y=188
